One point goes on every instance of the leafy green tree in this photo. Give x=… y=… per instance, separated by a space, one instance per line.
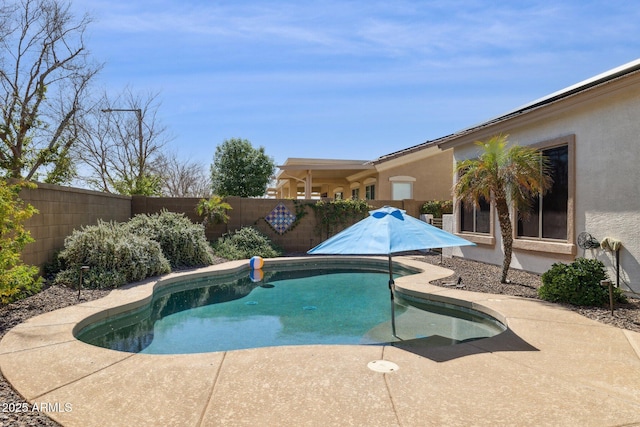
x=17 y=280
x=238 y=169
x=513 y=175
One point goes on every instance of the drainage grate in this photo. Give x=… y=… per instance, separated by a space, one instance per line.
x=383 y=366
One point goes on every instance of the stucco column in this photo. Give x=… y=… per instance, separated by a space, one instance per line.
x=293 y=188
x=307 y=185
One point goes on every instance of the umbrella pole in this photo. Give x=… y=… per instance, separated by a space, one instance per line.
x=393 y=304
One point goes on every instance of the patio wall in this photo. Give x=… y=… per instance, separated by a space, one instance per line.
x=251 y=212
x=64 y=209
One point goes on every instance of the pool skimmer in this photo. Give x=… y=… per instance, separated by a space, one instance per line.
x=383 y=366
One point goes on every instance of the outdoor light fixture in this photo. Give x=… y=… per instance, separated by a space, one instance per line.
x=82 y=269
x=138 y=112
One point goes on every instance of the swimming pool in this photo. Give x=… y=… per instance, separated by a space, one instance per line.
x=302 y=304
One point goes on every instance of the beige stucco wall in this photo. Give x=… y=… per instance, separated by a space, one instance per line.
x=431 y=167
x=606 y=125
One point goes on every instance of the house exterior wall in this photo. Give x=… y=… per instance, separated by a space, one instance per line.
x=431 y=168
x=605 y=122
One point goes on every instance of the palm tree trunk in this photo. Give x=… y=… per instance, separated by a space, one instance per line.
x=506 y=230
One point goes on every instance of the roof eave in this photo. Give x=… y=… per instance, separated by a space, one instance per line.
x=455 y=139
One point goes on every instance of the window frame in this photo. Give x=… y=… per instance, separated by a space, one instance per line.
x=370 y=192
x=370 y=188
x=401 y=179
x=556 y=246
x=479 y=238
x=474 y=214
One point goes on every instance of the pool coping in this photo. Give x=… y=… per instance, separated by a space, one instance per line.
x=551 y=367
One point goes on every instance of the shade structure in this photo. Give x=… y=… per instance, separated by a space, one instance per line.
x=387 y=231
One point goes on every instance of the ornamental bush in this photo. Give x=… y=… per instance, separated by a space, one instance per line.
x=244 y=244
x=183 y=243
x=577 y=283
x=437 y=208
x=114 y=256
x=17 y=280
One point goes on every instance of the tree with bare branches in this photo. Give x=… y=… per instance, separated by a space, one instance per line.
x=44 y=76
x=121 y=145
x=183 y=178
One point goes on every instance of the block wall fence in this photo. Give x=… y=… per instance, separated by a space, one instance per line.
x=64 y=209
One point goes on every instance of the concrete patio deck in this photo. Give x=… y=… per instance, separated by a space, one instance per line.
x=552 y=367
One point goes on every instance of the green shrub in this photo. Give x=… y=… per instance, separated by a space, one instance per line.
x=577 y=283
x=437 y=208
x=333 y=216
x=183 y=243
x=113 y=254
x=245 y=243
x=17 y=280
x=213 y=211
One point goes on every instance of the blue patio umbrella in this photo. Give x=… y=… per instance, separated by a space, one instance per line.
x=387 y=231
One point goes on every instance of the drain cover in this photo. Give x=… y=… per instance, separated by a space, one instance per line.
x=383 y=366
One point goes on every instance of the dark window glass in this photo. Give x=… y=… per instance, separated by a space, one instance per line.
x=466 y=217
x=483 y=217
x=475 y=220
x=548 y=218
x=555 y=202
x=530 y=226
x=370 y=192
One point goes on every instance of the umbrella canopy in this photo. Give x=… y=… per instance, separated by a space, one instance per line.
x=387 y=231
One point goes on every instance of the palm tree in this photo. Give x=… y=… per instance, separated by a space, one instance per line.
x=214 y=210
x=504 y=175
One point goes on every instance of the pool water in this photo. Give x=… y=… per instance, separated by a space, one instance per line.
x=299 y=307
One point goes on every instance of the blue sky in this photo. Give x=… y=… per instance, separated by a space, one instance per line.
x=348 y=79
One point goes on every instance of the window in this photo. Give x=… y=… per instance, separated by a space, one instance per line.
x=551 y=227
x=369 y=188
x=355 y=193
x=338 y=195
x=402 y=187
x=475 y=219
x=549 y=214
x=401 y=190
x=370 y=192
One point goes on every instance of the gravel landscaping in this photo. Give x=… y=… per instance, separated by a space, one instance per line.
x=477 y=277
x=480 y=277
